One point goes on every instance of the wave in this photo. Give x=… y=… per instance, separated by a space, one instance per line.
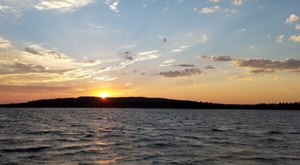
x=28 y=149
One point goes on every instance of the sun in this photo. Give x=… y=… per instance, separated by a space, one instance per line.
x=103 y=95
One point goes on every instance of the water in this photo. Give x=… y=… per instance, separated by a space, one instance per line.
x=149 y=136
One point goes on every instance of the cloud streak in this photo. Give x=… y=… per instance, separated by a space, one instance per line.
x=214 y=1
x=186 y=65
x=215 y=58
x=209 y=10
x=181 y=73
x=168 y=63
x=259 y=65
x=105 y=78
x=181 y=48
x=61 y=5
x=142 y=56
x=263 y=65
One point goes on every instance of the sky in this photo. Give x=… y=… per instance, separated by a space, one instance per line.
x=222 y=51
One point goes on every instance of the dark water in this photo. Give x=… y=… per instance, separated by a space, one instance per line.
x=149 y=136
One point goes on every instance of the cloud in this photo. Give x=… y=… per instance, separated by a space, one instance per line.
x=293 y=18
x=297 y=27
x=3 y=8
x=18 y=88
x=186 y=65
x=295 y=38
x=142 y=56
x=265 y=65
x=7 y=9
x=35 y=64
x=49 y=53
x=105 y=78
x=147 y=55
x=209 y=67
x=14 y=7
x=4 y=43
x=181 y=48
x=215 y=58
x=168 y=63
x=21 y=68
x=259 y=65
x=257 y=71
x=61 y=5
x=243 y=78
x=252 y=78
x=237 y=2
x=214 y=1
x=204 y=38
x=208 y=10
x=182 y=73
x=126 y=55
x=279 y=38
x=113 y=5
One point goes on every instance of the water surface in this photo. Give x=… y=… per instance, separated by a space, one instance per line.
x=149 y=136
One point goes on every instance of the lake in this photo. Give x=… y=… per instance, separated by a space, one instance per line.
x=149 y=136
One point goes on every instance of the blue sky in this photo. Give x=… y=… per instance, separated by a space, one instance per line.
x=150 y=48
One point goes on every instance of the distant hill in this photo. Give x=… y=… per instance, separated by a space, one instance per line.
x=142 y=102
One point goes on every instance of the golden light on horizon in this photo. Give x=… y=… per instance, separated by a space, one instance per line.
x=103 y=95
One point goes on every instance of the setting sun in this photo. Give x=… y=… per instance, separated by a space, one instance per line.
x=103 y=95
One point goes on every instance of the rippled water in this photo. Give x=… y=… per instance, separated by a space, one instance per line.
x=149 y=136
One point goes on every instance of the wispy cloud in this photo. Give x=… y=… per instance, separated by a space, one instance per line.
x=186 y=65
x=113 y=5
x=293 y=18
x=259 y=65
x=204 y=38
x=297 y=27
x=168 y=63
x=209 y=67
x=181 y=48
x=127 y=55
x=6 y=9
x=243 y=78
x=215 y=57
x=279 y=38
x=208 y=10
x=61 y=5
x=30 y=88
x=14 y=7
x=214 y=1
x=4 y=43
x=295 y=38
x=265 y=65
x=35 y=64
x=237 y=2
x=142 y=56
x=254 y=78
x=181 y=73
x=105 y=78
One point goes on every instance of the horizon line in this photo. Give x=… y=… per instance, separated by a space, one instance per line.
x=151 y=98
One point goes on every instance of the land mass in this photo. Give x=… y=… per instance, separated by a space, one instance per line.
x=142 y=102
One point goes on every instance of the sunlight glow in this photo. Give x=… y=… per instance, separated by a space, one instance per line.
x=103 y=95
